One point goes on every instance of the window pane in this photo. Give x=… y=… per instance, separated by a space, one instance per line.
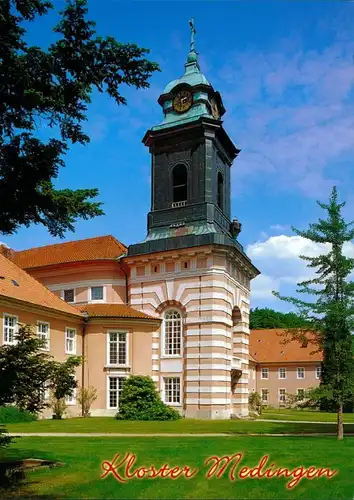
x=265 y=395
x=172 y=390
x=43 y=333
x=173 y=333
x=114 y=389
x=10 y=329
x=97 y=293
x=69 y=295
x=117 y=348
x=70 y=340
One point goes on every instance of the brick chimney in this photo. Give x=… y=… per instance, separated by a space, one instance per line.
x=6 y=251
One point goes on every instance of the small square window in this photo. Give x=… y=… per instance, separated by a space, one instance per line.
x=97 y=293
x=265 y=373
x=300 y=373
x=69 y=295
x=282 y=372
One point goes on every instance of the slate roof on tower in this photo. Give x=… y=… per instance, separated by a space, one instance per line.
x=100 y=248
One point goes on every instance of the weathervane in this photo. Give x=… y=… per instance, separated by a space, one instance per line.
x=193 y=32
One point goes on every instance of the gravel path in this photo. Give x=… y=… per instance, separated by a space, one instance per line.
x=135 y=435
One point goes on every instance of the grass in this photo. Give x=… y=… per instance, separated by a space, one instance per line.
x=314 y=416
x=80 y=476
x=185 y=426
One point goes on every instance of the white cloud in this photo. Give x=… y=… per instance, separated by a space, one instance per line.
x=278 y=260
x=285 y=247
x=262 y=287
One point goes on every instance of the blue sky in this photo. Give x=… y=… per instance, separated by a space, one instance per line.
x=285 y=71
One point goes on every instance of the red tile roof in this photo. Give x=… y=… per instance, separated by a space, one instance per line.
x=17 y=284
x=113 y=311
x=266 y=347
x=100 y=248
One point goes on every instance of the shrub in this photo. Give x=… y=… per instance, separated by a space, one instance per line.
x=58 y=406
x=255 y=402
x=12 y=414
x=139 y=400
x=85 y=398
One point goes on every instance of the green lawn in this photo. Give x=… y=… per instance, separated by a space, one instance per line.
x=315 y=416
x=185 y=426
x=80 y=476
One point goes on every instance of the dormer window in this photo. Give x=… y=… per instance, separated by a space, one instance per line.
x=97 y=293
x=179 y=185
x=69 y=295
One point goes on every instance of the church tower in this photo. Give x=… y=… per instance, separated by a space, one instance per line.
x=190 y=270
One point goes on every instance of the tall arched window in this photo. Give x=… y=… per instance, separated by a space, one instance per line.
x=220 y=191
x=179 y=183
x=172 y=333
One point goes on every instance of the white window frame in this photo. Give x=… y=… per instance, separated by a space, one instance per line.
x=75 y=334
x=126 y=347
x=40 y=322
x=297 y=373
x=279 y=372
x=316 y=373
x=297 y=393
x=164 y=355
x=71 y=400
x=264 y=389
x=45 y=393
x=163 y=385
x=113 y=375
x=95 y=301
x=7 y=315
x=279 y=400
x=62 y=294
x=267 y=377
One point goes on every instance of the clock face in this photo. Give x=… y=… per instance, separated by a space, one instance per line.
x=182 y=101
x=215 y=109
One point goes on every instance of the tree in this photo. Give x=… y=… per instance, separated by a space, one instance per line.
x=330 y=313
x=53 y=88
x=139 y=400
x=268 y=318
x=25 y=370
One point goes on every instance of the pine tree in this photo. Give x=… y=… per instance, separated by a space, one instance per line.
x=52 y=88
x=330 y=313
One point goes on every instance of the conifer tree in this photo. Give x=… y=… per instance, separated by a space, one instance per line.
x=330 y=312
x=51 y=88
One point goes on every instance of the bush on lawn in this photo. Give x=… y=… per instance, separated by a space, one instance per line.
x=255 y=403
x=12 y=414
x=139 y=400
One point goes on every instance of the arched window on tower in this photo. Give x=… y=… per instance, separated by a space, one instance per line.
x=172 y=330
x=179 y=185
x=220 y=191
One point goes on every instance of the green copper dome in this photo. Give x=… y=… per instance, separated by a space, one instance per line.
x=192 y=77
